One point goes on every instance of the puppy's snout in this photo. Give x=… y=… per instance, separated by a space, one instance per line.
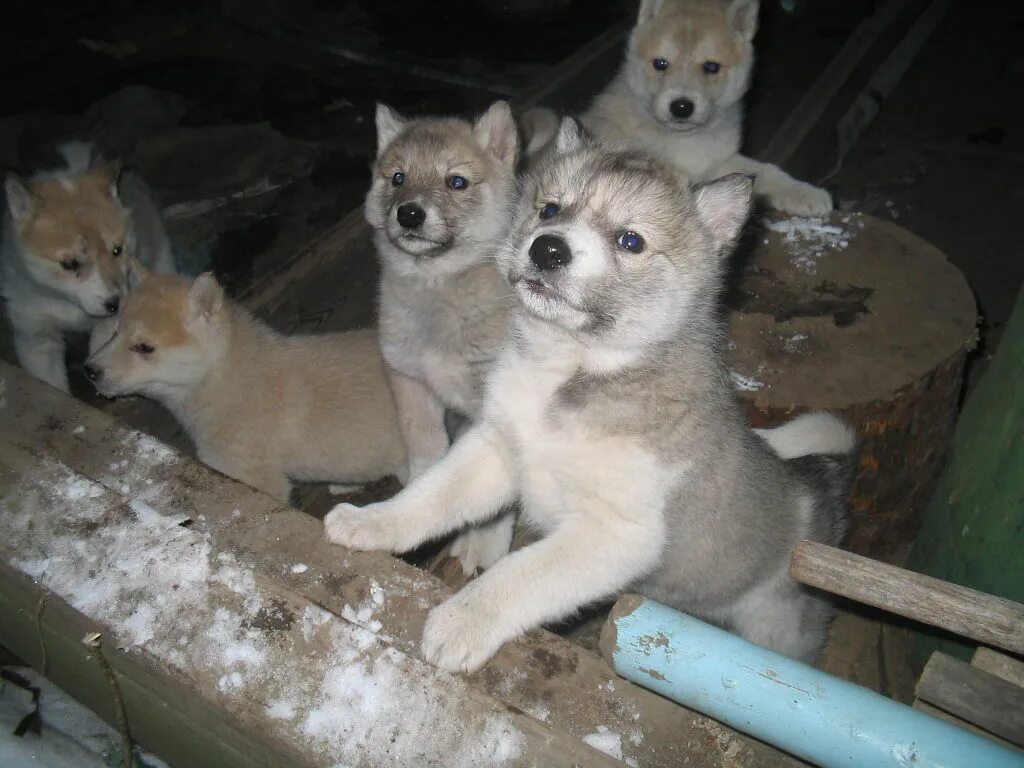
x=411 y=216
x=550 y=252
x=112 y=304
x=93 y=372
x=681 y=108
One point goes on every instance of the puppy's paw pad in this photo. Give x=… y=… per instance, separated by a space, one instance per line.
x=458 y=639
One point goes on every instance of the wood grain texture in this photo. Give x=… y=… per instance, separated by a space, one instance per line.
x=974 y=695
x=982 y=617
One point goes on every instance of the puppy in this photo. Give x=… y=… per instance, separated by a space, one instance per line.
x=438 y=205
x=67 y=236
x=261 y=407
x=680 y=92
x=611 y=417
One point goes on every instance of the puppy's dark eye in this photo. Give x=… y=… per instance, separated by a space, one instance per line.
x=143 y=348
x=117 y=250
x=457 y=182
x=631 y=241
x=397 y=178
x=711 y=67
x=660 y=64
x=549 y=210
x=71 y=265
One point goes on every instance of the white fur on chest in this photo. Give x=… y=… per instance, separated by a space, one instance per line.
x=565 y=466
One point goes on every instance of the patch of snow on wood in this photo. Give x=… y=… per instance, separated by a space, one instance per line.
x=159 y=586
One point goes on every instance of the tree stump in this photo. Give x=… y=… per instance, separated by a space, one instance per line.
x=862 y=318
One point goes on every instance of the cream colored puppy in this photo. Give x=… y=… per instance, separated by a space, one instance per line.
x=261 y=407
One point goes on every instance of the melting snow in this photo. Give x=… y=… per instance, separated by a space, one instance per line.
x=745 y=383
x=158 y=584
x=606 y=741
x=808 y=239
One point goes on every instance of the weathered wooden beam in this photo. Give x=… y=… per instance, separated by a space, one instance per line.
x=789 y=136
x=968 y=612
x=973 y=695
x=568 y=689
x=999 y=664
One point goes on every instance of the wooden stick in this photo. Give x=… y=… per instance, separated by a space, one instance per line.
x=986 y=618
x=974 y=695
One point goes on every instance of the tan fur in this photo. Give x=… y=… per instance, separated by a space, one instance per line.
x=261 y=407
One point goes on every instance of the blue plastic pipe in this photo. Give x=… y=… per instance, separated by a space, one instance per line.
x=783 y=702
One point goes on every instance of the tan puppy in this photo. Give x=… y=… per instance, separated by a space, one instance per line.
x=261 y=407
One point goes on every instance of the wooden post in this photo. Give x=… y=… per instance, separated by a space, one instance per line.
x=967 y=612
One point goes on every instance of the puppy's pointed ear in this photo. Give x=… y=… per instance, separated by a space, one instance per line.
x=723 y=206
x=205 y=298
x=108 y=177
x=742 y=17
x=21 y=202
x=136 y=273
x=648 y=10
x=389 y=125
x=495 y=130
x=570 y=136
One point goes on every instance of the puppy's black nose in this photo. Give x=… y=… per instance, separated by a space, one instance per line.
x=681 y=108
x=550 y=252
x=94 y=373
x=411 y=215
x=112 y=304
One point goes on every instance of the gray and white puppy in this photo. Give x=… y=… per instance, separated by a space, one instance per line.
x=439 y=205
x=610 y=415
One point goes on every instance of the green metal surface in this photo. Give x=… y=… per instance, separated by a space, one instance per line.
x=973 y=532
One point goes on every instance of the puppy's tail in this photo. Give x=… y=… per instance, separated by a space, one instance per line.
x=810 y=434
x=819 y=447
x=539 y=127
x=77 y=154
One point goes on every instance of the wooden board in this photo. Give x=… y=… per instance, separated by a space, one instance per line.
x=541 y=678
x=974 y=695
x=860 y=317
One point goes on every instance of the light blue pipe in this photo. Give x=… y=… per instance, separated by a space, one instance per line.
x=783 y=702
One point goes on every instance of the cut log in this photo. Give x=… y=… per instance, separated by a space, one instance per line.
x=974 y=695
x=967 y=612
x=860 y=317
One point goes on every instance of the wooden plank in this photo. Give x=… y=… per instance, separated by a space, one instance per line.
x=1000 y=665
x=928 y=709
x=545 y=676
x=786 y=141
x=977 y=615
x=293 y=683
x=974 y=695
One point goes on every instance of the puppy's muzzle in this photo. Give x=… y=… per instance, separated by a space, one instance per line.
x=550 y=252
x=411 y=215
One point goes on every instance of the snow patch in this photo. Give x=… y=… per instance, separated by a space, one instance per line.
x=299 y=568
x=606 y=741
x=809 y=239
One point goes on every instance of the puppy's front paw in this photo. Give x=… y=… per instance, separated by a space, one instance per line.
x=359 y=527
x=461 y=635
x=800 y=199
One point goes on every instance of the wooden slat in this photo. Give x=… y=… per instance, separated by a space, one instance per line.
x=1000 y=665
x=973 y=695
x=968 y=612
x=571 y=690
